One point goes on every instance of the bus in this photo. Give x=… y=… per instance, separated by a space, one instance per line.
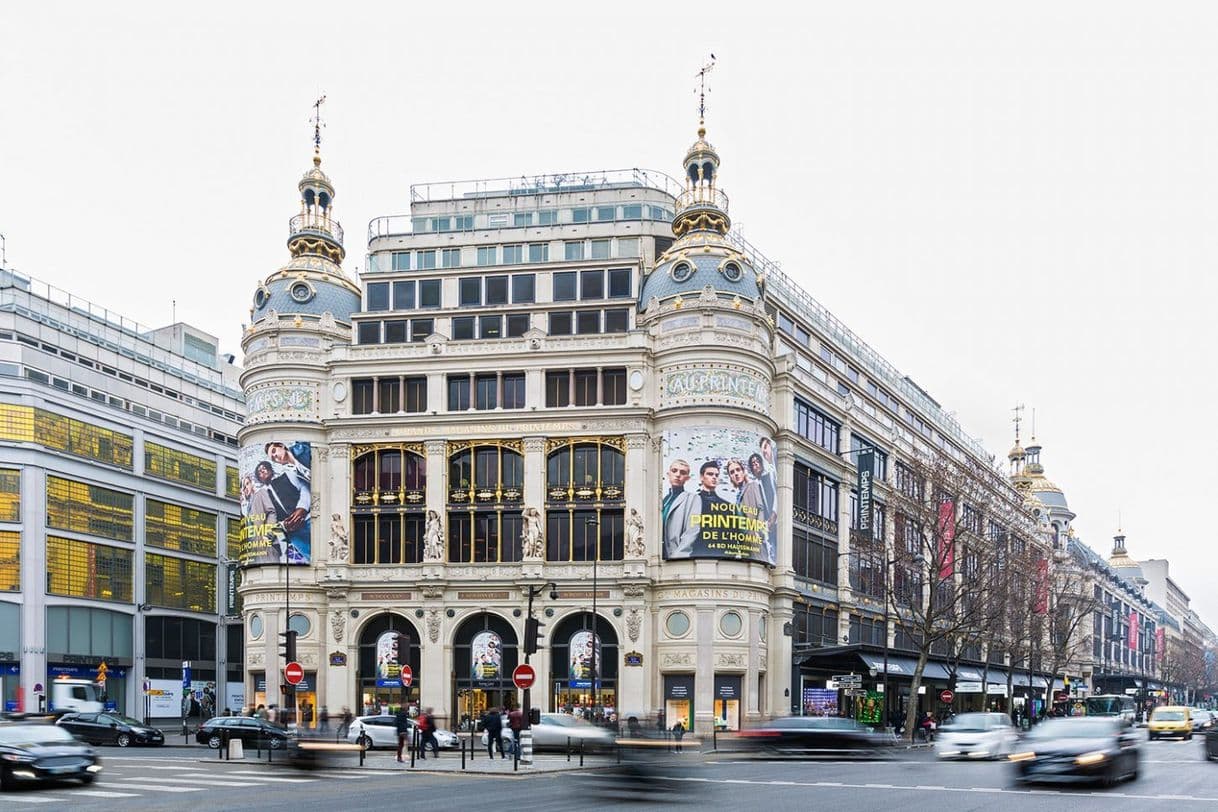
x=1110 y=705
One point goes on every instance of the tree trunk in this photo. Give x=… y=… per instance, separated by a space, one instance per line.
x=911 y=712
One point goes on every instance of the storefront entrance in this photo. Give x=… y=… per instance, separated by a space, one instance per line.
x=583 y=667
x=484 y=656
x=727 y=701
x=386 y=642
x=678 y=700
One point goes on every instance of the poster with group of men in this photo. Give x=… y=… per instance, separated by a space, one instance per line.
x=720 y=495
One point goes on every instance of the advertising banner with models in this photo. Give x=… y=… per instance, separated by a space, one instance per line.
x=719 y=495
x=276 y=489
x=585 y=651
x=486 y=656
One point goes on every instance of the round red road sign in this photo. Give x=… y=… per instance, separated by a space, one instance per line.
x=406 y=675
x=946 y=696
x=293 y=672
x=524 y=676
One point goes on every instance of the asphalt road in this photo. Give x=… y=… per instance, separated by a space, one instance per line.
x=1173 y=776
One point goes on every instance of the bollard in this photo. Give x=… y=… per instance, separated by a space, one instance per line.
x=515 y=754
x=715 y=738
x=526 y=747
x=581 y=752
x=463 y=754
x=568 y=749
x=414 y=742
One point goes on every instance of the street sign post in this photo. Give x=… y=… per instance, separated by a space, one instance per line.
x=406 y=675
x=524 y=676
x=293 y=672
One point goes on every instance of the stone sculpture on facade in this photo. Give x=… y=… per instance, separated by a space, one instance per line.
x=635 y=545
x=532 y=538
x=338 y=625
x=339 y=547
x=634 y=622
x=433 y=625
x=433 y=538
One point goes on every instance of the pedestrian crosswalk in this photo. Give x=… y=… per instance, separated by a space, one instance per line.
x=126 y=778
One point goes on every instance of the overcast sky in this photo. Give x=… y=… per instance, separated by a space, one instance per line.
x=1012 y=204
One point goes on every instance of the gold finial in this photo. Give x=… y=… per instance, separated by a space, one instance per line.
x=707 y=68
x=317 y=125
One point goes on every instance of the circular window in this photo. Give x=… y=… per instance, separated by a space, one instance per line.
x=731 y=624
x=340 y=391
x=300 y=624
x=761 y=628
x=261 y=297
x=301 y=292
x=682 y=271
x=732 y=271
x=677 y=624
x=636 y=380
x=256 y=626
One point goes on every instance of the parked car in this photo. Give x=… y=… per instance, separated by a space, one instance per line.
x=31 y=753
x=1170 y=720
x=1211 y=744
x=976 y=735
x=1203 y=719
x=817 y=735
x=556 y=729
x=382 y=731
x=248 y=729
x=110 y=728
x=1077 y=749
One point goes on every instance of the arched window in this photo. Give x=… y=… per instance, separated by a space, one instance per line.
x=585 y=499
x=388 y=496
x=485 y=488
x=577 y=657
x=379 y=683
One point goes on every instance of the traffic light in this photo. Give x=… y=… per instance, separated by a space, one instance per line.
x=534 y=716
x=532 y=635
x=287 y=646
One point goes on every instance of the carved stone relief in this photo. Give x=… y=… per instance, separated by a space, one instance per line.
x=634 y=621
x=338 y=624
x=669 y=659
x=433 y=625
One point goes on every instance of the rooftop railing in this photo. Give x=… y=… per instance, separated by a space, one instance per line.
x=546 y=184
x=702 y=197
x=319 y=224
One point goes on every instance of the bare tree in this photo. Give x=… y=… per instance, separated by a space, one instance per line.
x=1072 y=604
x=936 y=506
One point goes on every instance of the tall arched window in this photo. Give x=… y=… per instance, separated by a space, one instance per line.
x=388 y=503
x=485 y=489
x=585 y=499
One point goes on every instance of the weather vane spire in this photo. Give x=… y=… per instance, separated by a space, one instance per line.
x=1018 y=410
x=317 y=125
x=707 y=68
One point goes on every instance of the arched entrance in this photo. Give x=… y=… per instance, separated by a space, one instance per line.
x=378 y=678
x=581 y=677
x=484 y=656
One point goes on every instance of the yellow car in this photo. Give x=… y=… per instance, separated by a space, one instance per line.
x=1171 y=720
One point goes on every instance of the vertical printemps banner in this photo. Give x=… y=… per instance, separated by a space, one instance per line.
x=866 y=470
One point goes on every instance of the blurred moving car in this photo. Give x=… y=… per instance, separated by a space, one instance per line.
x=1077 y=749
x=817 y=735
x=1170 y=720
x=1202 y=719
x=110 y=728
x=34 y=752
x=248 y=729
x=1211 y=744
x=976 y=735
x=382 y=731
x=556 y=729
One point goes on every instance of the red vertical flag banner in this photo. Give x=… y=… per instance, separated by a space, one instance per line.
x=947 y=539
x=1160 y=644
x=1133 y=629
x=1042 y=586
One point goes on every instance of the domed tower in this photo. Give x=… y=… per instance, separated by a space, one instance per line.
x=717 y=497
x=301 y=313
x=1047 y=500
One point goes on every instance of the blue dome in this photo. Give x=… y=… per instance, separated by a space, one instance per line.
x=294 y=291
x=728 y=275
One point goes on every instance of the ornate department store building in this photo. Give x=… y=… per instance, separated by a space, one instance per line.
x=584 y=380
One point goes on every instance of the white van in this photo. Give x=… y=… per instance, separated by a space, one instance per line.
x=75 y=696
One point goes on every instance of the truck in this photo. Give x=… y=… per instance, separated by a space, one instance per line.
x=76 y=696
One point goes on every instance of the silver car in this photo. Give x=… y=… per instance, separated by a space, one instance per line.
x=382 y=731
x=557 y=729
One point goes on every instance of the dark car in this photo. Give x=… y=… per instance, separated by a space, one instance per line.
x=817 y=735
x=250 y=730
x=1077 y=750
x=110 y=728
x=1211 y=744
x=34 y=752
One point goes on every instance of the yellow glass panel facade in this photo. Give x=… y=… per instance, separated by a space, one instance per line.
x=189 y=469
x=174 y=527
x=10 y=561
x=79 y=569
x=234 y=539
x=10 y=495
x=232 y=482
x=91 y=509
x=179 y=584
x=26 y=424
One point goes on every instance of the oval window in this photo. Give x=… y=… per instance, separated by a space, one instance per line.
x=682 y=271
x=261 y=297
x=732 y=272
x=300 y=624
x=256 y=626
x=301 y=292
x=677 y=624
x=731 y=624
x=761 y=628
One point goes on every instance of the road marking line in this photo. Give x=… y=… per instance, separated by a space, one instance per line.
x=262 y=777
x=102 y=793
x=169 y=767
x=931 y=786
x=348 y=776
x=211 y=782
x=29 y=799
x=161 y=787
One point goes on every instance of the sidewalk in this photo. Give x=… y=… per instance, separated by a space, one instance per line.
x=449 y=761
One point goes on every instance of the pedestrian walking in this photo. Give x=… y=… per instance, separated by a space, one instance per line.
x=323 y=719
x=401 y=721
x=492 y=723
x=678 y=733
x=516 y=724
x=427 y=731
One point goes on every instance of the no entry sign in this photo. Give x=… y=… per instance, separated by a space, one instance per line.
x=946 y=696
x=293 y=672
x=524 y=676
x=406 y=675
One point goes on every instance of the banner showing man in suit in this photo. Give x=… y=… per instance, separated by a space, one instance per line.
x=276 y=495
